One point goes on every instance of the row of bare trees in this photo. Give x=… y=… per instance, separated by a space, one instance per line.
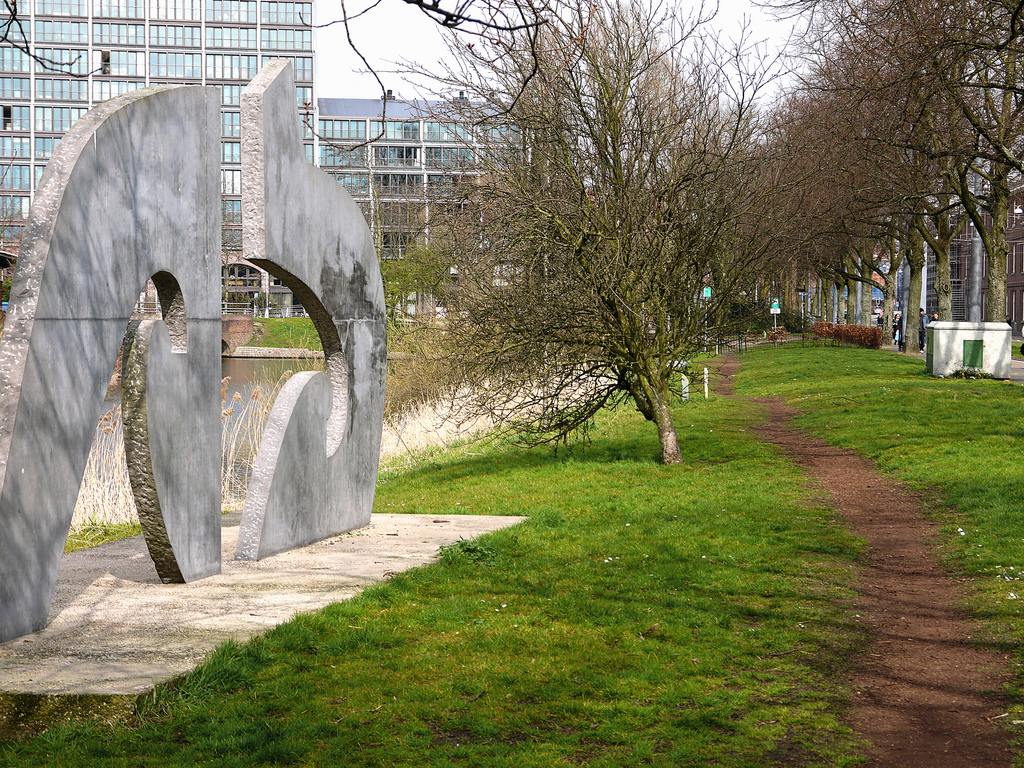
x=910 y=115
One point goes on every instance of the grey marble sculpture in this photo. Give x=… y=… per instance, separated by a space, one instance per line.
x=316 y=469
x=131 y=193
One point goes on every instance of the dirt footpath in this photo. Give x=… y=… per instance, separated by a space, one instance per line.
x=925 y=694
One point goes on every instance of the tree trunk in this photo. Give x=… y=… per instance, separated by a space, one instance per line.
x=867 y=295
x=915 y=263
x=670 y=453
x=943 y=284
x=999 y=209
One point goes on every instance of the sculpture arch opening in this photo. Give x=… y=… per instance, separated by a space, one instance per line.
x=335 y=363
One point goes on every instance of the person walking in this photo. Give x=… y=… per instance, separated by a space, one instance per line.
x=921 y=335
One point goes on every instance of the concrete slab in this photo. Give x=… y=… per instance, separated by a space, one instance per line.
x=115 y=629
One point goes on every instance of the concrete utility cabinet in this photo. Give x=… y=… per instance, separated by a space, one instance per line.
x=953 y=346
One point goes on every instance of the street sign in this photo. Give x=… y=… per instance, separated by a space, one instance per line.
x=707 y=291
x=775 y=311
x=775 y=304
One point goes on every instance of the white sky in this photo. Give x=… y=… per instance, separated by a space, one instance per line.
x=394 y=32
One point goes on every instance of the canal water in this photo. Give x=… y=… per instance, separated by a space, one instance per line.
x=245 y=373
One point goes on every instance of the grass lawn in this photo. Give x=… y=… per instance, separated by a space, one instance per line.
x=961 y=442
x=286 y=332
x=667 y=616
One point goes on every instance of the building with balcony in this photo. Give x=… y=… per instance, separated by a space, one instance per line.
x=397 y=160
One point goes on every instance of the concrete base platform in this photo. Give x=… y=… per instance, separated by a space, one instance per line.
x=116 y=630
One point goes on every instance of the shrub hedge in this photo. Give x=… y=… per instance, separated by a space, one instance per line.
x=869 y=336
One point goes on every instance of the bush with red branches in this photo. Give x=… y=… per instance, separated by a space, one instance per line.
x=869 y=336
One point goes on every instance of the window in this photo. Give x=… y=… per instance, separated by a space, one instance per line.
x=448 y=157
x=441 y=182
x=231 y=239
x=108 y=89
x=119 y=9
x=396 y=156
x=14 y=88
x=355 y=183
x=45 y=146
x=13 y=60
x=120 y=63
x=234 y=11
x=304 y=95
x=502 y=133
x=302 y=67
x=61 y=8
x=398 y=183
x=223 y=66
x=14 y=29
x=62 y=90
x=57 y=119
x=188 y=37
x=230 y=37
x=62 y=61
x=176 y=65
x=61 y=31
x=230 y=152
x=339 y=157
x=433 y=131
x=230 y=182
x=179 y=10
x=13 y=207
x=18 y=118
x=15 y=146
x=343 y=129
x=231 y=211
x=230 y=124
x=16 y=177
x=396 y=129
x=286 y=13
x=118 y=34
x=231 y=95
x=287 y=39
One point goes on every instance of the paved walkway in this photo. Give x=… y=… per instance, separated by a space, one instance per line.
x=115 y=629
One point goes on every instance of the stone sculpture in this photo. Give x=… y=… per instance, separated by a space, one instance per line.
x=132 y=193
x=122 y=200
x=314 y=476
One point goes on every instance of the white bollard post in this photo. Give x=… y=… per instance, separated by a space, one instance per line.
x=705 y=383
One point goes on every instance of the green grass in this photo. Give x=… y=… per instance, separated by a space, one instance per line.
x=286 y=332
x=94 y=535
x=960 y=442
x=669 y=616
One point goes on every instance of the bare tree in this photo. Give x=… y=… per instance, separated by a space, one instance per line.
x=604 y=242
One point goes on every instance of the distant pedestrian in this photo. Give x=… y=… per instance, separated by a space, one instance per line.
x=935 y=318
x=896 y=329
x=923 y=322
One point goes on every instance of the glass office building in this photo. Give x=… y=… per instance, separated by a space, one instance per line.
x=82 y=52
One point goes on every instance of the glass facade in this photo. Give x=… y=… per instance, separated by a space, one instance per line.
x=88 y=51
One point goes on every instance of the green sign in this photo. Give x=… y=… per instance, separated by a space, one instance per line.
x=775 y=303
x=707 y=291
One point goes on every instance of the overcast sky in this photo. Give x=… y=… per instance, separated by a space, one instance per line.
x=395 y=31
